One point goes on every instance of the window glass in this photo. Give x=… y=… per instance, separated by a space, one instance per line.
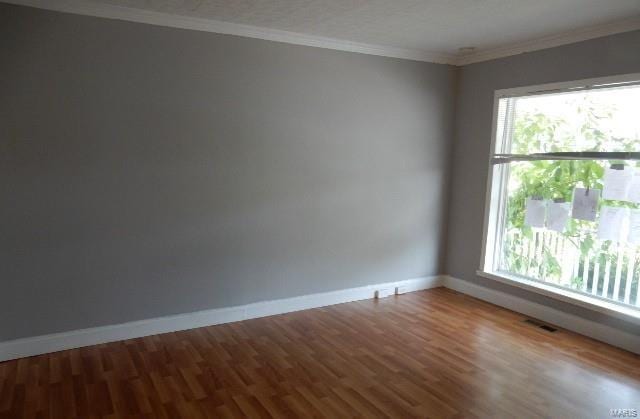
x=537 y=233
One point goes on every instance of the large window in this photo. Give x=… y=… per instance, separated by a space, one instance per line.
x=564 y=190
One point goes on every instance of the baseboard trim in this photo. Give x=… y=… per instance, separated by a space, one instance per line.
x=598 y=331
x=38 y=345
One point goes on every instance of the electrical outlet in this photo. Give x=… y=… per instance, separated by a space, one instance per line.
x=383 y=292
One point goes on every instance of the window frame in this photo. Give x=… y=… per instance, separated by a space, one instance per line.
x=491 y=238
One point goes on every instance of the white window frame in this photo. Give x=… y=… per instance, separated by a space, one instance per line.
x=491 y=239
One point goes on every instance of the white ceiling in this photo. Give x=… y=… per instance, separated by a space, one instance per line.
x=430 y=26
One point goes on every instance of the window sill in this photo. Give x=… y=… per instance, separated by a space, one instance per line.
x=614 y=310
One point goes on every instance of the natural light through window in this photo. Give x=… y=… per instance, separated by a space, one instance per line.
x=564 y=193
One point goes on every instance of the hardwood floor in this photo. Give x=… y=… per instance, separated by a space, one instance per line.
x=433 y=353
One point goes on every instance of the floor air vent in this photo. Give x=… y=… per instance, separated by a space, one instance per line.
x=540 y=325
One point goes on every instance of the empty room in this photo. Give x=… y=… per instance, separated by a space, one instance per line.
x=319 y=208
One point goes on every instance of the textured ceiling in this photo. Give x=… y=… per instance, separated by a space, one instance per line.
x=440 y=26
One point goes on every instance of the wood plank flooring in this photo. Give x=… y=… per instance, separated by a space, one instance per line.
x=433 y=353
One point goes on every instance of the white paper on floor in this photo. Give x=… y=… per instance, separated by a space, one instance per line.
x=557 y=215
x=534 y=212
x=617 y=183
x=585 y=204
x=612 y=223
x=634 y=226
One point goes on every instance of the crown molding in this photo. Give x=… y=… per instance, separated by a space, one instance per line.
x=556 y=40
x=109 y=11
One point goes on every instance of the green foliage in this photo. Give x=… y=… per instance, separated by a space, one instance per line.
x=538 y=132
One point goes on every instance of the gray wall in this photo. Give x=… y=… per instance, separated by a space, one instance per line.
x=148 y=171
x=618 y=54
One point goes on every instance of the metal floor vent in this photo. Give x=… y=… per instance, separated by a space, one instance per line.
x=540 y=325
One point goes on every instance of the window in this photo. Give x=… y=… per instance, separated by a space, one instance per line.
x=563 y=204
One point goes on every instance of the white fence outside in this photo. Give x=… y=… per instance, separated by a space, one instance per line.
x=612 y=272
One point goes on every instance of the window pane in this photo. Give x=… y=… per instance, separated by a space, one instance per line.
x=595 y=120
x=603 y=120
x=575 y=258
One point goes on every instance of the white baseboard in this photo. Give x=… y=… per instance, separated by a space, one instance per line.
x=37 y=345
x=598 y=331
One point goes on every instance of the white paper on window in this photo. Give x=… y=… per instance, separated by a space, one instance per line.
x=617 y=183
x=634 y=226
x=634 y=189
x=534 y=212
x=585 y=204
x=557 y=215
x=612 y=223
